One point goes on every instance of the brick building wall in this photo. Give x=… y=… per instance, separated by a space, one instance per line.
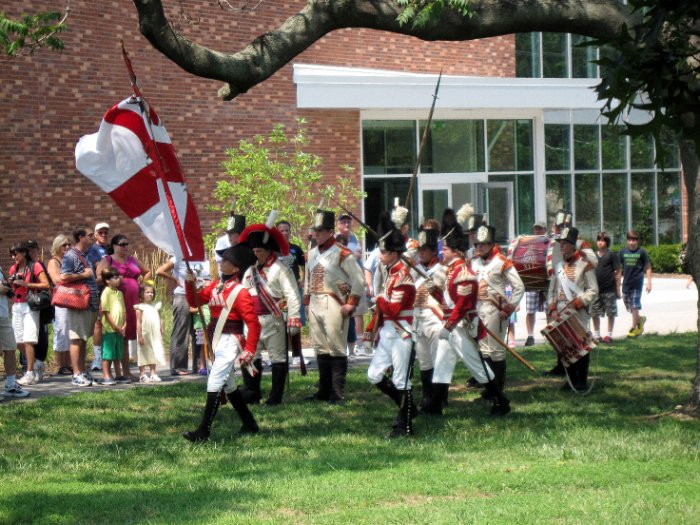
x=48 y=100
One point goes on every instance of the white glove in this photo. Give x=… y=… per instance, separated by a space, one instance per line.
x=444 y=334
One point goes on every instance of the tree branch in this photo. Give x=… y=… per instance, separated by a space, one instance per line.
x=270 y=52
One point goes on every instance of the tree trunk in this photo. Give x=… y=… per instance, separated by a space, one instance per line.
x=691 y=170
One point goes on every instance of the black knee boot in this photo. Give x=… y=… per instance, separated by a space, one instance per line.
x=426 y=381
x=388 y=388
x=487 y=394
x=279 y=376
x=204 y=429
x=439 y=399
x=501 y=405
x=403 y=426
x=251 y=384
x=249 y=426
x=339 y=371
x=325 y=379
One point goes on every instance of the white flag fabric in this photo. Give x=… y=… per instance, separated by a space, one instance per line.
x=132 y=161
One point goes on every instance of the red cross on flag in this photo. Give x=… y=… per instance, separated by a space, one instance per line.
x=132 y=159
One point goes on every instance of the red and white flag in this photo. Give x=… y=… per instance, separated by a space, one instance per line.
x=134 y=161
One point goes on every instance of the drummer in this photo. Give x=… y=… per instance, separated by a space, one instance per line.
x=535 y=300
x=573 y=284
x=493 y=271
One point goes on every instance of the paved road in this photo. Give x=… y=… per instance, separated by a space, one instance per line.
x=670 y=307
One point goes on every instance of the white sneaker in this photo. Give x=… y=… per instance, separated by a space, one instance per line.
x=81 y=380
x=27 y=379
x=15 y=391
x=155 y=378
x=295 y=360
x=144 y=379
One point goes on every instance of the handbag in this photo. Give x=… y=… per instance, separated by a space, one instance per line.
x=38 y=299
x=75 y=296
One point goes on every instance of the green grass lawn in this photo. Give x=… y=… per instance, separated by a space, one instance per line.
x=616 y=455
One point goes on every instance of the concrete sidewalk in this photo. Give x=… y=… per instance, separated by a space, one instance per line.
x=669 y=307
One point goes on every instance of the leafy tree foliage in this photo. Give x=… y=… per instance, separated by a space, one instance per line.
x=655 y=66
x=275 y=172
x=31 y=32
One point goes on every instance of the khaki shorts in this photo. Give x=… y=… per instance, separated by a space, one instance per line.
x=7 y=335
x=81 y=324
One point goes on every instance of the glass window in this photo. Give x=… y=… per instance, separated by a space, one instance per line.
x=524 y=200
x=558 y=194
x=509 y=145
x=554 y=55
x=527 y=55
x=615 y=206
x=582 y=58
x=643 y=207
x=388 y=146
x=670 y=211
x=585 y=147
x=642 y=153
x=614 y=147
x=434 y=203
x=453 y=146
x=380 y=196
x=587 y=192
x=557 y=146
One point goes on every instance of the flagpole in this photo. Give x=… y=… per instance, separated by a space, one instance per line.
x=160 y=172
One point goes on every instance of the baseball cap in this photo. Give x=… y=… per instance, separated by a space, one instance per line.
x=540 y=224
x=101 y=226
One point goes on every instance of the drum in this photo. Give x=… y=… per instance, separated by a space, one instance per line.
x=529 y=254
x=568 y=337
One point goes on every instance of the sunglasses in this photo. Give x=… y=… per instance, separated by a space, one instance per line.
x=123 y=244
x=66 y=245
x=12 y=253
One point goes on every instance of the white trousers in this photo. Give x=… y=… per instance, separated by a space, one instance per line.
x=462 y=345
x=222 y=370
x=391 y=351
x=427 y=336
x=327 y=326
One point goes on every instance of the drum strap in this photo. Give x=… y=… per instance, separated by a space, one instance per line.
x=571 y=290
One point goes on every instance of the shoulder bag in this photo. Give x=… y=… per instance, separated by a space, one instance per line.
x=75 y=295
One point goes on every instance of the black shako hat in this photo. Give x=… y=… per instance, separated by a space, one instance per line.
x=324 y=220
x=451 y=232
x=394 y=241
x=569 y=234
x=474 y=222
x=428 y=239
x=235 y=223
x=239 y=255
x=485 y=234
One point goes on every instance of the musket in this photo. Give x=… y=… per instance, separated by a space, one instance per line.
x=369 y=229
x=513 y=352
x=422 y=143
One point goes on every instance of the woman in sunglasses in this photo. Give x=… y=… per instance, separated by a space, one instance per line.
x=26 y=275
x=61 y=342
x=131 y=269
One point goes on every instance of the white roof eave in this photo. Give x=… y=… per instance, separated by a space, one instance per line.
x=328 y=87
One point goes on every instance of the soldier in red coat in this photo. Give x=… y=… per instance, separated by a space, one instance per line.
x=231 y=307
x=392 y=331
